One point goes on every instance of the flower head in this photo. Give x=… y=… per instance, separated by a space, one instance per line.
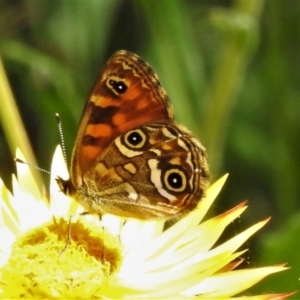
x=43 y=255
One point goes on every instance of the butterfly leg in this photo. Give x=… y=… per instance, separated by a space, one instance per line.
x=103 y=240
x=68 y=237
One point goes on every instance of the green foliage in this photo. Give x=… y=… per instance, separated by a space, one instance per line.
x=230 y=69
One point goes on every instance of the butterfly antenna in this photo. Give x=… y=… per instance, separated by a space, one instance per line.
x=31 y=165
x=62 y=140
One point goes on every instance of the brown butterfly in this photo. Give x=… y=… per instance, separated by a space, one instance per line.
x=130 y=158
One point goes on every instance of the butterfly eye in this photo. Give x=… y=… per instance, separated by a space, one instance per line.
x=175 y=180
x=118 y=87
x=135 y=139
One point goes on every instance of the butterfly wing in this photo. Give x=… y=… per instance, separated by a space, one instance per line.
x=126 y=94
x=157 y=170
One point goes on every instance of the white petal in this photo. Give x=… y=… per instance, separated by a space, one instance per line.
x=31 y=211
x=26 y=180
x=137 y=232
x=60 y=203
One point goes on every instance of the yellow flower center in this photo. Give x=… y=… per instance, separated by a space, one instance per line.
x=39 y=268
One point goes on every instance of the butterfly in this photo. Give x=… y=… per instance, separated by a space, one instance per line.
x=130 y=158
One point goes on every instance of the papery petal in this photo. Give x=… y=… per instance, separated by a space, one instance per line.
x=26 y=180
x=138 y=232
x=60 y=205
x=30 y=211
x=234 y=243
x=231 y=283
x=266 y=297
x=208 y=231
x=8 y=214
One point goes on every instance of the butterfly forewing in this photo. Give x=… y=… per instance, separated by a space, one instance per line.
x=126 y=94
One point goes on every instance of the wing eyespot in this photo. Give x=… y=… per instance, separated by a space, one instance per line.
x=175 y=180
x=118 y=87
x=135 y=139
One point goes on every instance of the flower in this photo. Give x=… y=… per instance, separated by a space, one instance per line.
x=114 y=258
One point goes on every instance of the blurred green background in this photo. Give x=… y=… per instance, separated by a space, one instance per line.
x=231 y=69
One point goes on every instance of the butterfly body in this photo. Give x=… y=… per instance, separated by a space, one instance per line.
x=130 y=158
